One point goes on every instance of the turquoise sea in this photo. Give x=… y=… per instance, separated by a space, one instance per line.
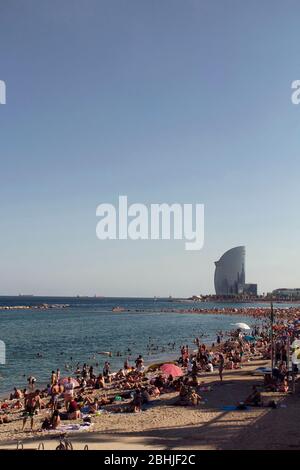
x=38 y=341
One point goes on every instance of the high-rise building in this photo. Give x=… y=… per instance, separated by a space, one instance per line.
x=230 y=274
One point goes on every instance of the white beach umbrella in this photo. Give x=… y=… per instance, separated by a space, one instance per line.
x=242 y=326
x=296 y=351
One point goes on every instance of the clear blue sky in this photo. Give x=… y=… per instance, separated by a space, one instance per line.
x=162 y=100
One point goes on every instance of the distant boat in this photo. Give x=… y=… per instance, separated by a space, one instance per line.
x=118 y=309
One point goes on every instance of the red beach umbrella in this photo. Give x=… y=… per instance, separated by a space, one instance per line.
x=171 y=369
x=65 y=380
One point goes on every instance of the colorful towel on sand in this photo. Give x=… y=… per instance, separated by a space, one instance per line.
x=71 y=428
x=234 y=408
x=262 y=371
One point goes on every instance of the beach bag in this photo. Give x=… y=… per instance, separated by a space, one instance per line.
x=46 y=424
x=241 y=406
x=272 y=404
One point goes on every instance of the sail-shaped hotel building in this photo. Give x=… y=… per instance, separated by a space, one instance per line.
x=230 y=274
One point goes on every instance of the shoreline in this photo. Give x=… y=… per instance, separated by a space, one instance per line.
x=166 y=426
x=255 y=314
x=4 y=395
x=164 y=423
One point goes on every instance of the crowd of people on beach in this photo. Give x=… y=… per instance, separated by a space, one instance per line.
x=86 y=393
x=256 y=312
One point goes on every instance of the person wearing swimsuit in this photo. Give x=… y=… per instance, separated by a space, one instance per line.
x=32 y=403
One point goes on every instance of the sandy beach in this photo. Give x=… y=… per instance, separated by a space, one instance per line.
x=165 y=426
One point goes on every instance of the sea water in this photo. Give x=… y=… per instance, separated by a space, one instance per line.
x=39 y=341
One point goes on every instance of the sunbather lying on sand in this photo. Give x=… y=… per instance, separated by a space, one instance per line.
x=254 y=399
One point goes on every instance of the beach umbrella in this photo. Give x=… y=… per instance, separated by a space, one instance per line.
x=64 y=381
x=242 y=326
x=171 y=369
x=249 y=338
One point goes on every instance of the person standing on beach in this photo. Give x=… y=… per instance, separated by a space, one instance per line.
x=91 y=372
x=53 y=378
x=31 y=381
x=221 y=366
x=139 y=363
x=106 y=370
x=69 y=392
x=32 y=404
x=55 y=392
x=84 y=372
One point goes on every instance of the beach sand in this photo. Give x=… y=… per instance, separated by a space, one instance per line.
x=165 y=426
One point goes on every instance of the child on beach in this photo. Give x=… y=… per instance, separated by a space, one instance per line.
x=137 y=401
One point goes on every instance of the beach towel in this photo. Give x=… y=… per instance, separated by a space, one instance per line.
x=234 y=408
x=150 y=404
x=262 y=371
x=71 y=428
